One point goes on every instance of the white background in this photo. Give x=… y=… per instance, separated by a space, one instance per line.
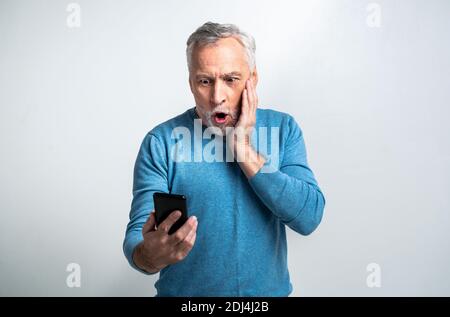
x=373 y=103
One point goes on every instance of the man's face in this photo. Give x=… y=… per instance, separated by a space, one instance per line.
x=217 y=80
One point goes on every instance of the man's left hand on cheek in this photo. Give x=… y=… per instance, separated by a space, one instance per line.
x=249 y=160
x=247 y=118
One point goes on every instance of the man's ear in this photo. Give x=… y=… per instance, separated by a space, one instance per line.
x=254 y=76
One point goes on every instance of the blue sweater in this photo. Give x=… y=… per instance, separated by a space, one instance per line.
x=241 y=248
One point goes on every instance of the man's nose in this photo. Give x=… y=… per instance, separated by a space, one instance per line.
x=218 y=94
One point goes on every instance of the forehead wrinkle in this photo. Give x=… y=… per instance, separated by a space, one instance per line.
x=220 y=59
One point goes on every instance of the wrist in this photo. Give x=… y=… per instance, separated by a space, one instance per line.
x=244 y=151
x=249 y=160
x=141 y=260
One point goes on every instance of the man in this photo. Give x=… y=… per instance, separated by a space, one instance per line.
x=234 y=242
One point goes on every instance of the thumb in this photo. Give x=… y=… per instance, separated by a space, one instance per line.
x=150 y=224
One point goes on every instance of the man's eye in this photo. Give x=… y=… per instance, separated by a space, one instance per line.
x=204 y=82
x=231 y=79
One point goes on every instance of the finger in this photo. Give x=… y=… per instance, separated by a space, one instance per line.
x=185 y=229
x=252 y=100
x=251 y=116
x=254 y=97
x=245 y=104
x=149 y=224
x=250 y=88
x=169 y=221
x=250 y=94
x=186 y=246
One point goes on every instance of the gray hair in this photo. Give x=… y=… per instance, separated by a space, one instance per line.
x=210 y=33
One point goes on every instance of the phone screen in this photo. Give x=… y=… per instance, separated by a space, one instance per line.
x=165 y=204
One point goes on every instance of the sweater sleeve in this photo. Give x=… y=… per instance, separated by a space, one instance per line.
x=150 y=175
x=292 y=192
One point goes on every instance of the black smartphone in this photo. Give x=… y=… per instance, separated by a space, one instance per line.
x=165 y=204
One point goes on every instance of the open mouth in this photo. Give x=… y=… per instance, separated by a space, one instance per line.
x=220 y=117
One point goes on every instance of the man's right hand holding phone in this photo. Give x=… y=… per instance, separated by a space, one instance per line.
x=159 y=249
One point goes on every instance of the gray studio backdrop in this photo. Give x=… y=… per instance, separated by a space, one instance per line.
x=367 y=81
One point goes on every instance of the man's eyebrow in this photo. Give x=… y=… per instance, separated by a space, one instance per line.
x=233 y=74
x=204 y=75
